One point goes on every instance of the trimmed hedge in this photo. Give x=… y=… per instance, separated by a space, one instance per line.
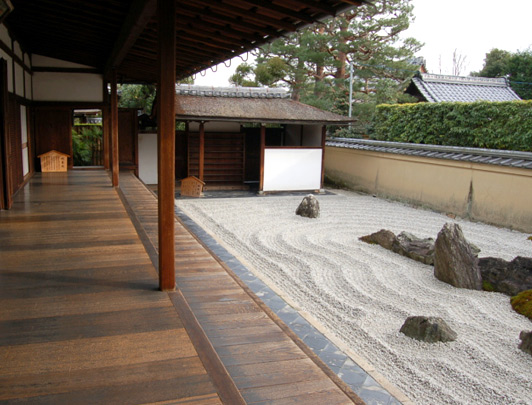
x=482 y=124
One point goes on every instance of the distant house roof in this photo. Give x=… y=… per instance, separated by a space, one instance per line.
x=437 y=88
x=248 y=104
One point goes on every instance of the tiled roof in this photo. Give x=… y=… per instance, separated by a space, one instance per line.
x=240 y=92
x=248 y=104
x=438 y=88
x=475 y=155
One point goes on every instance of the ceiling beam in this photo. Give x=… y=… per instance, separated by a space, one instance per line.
x=139 y=15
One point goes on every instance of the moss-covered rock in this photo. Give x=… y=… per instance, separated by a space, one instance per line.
x=522 y=303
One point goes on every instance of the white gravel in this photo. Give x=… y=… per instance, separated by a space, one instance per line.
x=363 y=293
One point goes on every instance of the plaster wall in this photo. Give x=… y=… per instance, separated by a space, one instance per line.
x=45 y=61
x=48 y=86
x=4 y=35
x=148 y=157
x=493 y=194
x=9 y=70
x=19 y=82
x=28 y=86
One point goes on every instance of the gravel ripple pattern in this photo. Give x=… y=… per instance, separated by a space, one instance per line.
x=363 y=293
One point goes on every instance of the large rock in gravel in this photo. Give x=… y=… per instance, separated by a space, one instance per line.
x=526 y=341
x=416 y=248
x=309 y=207
x=384 y=238
x=455 y=262
x=507 y=277
x=405 y=244
x=428 y=329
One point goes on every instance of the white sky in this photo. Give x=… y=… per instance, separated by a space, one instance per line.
x=472 y=27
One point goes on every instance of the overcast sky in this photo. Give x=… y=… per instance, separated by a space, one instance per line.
x=472 y=27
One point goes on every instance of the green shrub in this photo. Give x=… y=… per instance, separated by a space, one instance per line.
x=83 y=144
x=522 y=303
x=487 y=286
x=482 y=124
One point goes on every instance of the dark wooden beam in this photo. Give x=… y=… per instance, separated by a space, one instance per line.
x=262 y=148
x=268 y=5
x=166 y=142
x=114 y=129
x=246 y=14
x=140 y=12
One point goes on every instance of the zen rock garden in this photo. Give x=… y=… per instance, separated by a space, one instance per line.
x=456 y=262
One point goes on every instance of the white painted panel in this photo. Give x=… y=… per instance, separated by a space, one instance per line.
x=24 y=136
x=67 y=87
x=25 y=161
x=19 y=72
x=45 y=61
x=148 y=158
x=28 y=85
x=18 y=50
x=23 y=124
x=4 y=35
x=9 y=70
x=292 y=169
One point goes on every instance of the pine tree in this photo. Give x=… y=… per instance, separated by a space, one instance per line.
x=314 y=63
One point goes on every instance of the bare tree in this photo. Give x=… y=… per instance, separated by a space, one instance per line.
x=459 y=63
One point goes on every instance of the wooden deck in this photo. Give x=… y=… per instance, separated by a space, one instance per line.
x=81 y=318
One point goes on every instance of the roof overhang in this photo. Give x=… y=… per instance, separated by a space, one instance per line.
x=122 y=35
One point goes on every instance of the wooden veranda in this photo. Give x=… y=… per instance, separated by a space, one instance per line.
x=84 y=255
x=82 y=320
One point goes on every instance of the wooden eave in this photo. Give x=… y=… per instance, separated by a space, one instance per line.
x=107 y=34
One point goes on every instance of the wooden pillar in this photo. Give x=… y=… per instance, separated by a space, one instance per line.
x=323 y=138
x=106 y=122
x=166 y=142
x=114 y=129
x=5 y=189
x=262 y=148
x=201 y=150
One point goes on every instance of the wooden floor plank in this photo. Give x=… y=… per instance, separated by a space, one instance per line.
x=82 y=320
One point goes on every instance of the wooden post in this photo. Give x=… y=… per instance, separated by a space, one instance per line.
x=105 y=128
x=166 y=142
x=201 y=150
x=5 y=189
x=114 y=129
x=262 y=148
x=323 y=138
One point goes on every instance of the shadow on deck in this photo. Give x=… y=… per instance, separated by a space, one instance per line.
x=82 y=319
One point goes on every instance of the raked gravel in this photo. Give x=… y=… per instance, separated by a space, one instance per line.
x=363 y=293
